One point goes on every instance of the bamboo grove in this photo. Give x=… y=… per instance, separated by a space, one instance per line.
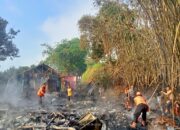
x=137 y=42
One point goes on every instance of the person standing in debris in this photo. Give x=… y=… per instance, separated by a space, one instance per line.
x=141 y=107
x=177 y=111
x=41 y=92
x=101 y=91
x=69 y=92
x=126 y=91
x=127 y=102
x=177 y=108
x=169 y=97
x=131 y=95
x=160 y=102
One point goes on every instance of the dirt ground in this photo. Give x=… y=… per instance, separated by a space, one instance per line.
x=110 y=112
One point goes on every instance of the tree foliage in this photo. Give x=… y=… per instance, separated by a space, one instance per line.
x=164 y=19
x=115 y=31
x=134 y=39
x=7 y=48
x=67 y=56
x=90 y=73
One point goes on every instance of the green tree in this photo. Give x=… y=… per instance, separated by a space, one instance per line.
x=7 y=48
x=119 y=37
x=67 y=56
x=137 y=40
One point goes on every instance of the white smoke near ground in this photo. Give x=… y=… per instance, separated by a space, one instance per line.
x=14 y=93
x=11 y=93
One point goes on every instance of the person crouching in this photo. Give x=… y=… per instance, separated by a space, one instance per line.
x=141 y=107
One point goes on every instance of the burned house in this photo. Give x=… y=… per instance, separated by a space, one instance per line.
x=32 y=79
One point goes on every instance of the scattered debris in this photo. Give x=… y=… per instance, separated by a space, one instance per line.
x=79 y=115
x=90 y=122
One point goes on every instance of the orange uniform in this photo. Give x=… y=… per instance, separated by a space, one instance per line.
x=139 y=100
x=41 y=91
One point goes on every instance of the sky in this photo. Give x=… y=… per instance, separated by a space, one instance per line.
x=41 y=21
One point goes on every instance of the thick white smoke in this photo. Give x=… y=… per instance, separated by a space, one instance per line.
x=12 y=92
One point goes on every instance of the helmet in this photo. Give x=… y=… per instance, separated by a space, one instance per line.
x=138 y=93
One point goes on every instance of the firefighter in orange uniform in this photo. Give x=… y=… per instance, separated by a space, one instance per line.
x=141 y=107
x=41 y=92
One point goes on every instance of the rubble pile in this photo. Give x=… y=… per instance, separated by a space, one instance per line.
x=165 y=122
x=49 y=120
x=78 y=115
x=112 y=113
x=115 y=120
